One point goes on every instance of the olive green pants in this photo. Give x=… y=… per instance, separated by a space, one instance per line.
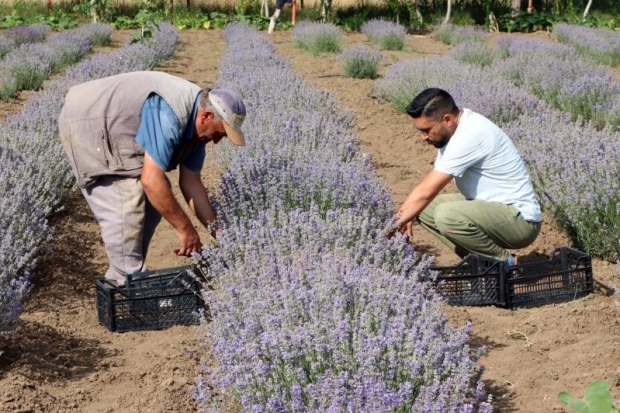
x=475 y=226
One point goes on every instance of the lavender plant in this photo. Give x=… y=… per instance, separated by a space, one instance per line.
x=26 y=67
x=452 y=34
x=361 y=62
x=602 y=45
x=317 y=38
x=312 y=309
x=579 y=186
x=472 y=86
x=473 y=52
x=313 y=314
x=388 y=35
x=563 y=77
x=19 y=35
x=35 y=170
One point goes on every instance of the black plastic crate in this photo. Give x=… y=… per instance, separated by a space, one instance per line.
x=566 y=276
x=150 y=300
x=476 y=280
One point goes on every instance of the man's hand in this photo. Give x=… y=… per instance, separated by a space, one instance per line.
x=407 y=228
x=189 y=242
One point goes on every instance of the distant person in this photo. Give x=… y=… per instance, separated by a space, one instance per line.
x=496 y=207
x=276 y=14
x=122 y=134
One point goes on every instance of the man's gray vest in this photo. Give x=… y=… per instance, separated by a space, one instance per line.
x=100 y=119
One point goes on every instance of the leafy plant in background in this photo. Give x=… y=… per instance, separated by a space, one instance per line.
x=527 y=22
x=597 y=399
x=361 y=61
x=354 y=22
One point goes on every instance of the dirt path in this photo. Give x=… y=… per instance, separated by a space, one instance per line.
x=62 y=360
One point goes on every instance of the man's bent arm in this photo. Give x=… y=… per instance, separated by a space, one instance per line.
x=196 y=196
x=422 y=195
x=158 y=190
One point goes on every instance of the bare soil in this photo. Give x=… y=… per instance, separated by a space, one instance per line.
x=62 y=360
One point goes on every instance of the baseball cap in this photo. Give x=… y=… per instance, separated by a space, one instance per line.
x=229 y=106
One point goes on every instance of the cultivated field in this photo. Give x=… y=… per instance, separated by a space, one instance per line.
x=62 y=360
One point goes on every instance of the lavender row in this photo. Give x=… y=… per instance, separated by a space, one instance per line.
x=29 y=65
x=316 y=313
x=35 y=171
x=472 y=86
x=562 y=76
x=576 y=169
x=312 y=309
x=602 y=45
x=19 y=35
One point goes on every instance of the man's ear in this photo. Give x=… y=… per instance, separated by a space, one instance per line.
x=207 y=114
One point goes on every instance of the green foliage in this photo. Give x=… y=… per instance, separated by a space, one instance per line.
x=59 y=20
x=354 y=22
x=11 y=20
x=527 y=22
x=479 y=10
x=25 y=10
x=596 y=400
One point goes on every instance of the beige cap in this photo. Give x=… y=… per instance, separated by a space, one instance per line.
x=229 y=106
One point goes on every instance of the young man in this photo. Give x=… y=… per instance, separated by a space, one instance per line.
x=496 y=207
x=122 y=134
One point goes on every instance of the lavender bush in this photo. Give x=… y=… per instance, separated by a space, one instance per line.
x=473 y=52
x=35 y=170
x=452 y=34
x=602 y=45
x=474 y=87
x=563 y=77
x=26 y=67
x=388 y=35
x=317 y=38
x=301 y=324
x=19 y=35
x=312 y=309
x=361 y=62
x=577 y=174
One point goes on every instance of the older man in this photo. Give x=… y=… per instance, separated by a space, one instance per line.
x=496 y=207
x=122 y=134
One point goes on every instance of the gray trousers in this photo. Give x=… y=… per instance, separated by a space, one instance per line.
x=127 y=220
x=481 y=227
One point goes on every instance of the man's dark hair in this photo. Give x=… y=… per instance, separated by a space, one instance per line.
x=432 y=103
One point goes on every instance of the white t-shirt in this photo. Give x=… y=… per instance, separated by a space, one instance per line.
x=486 y=165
